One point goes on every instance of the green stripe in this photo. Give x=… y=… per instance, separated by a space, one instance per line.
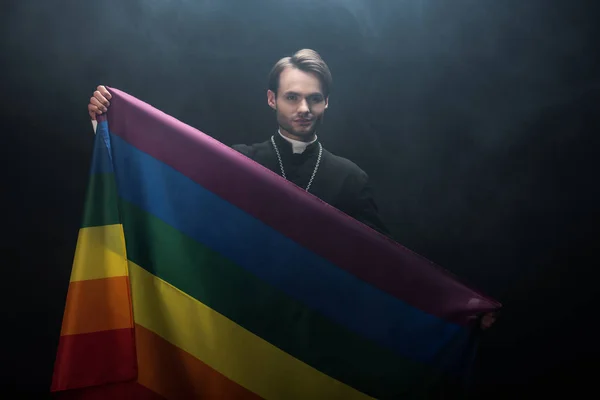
x=101 y=207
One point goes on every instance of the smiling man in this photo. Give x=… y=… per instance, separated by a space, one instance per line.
x=299 y=93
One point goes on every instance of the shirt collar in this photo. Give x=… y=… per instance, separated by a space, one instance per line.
x=298 y=147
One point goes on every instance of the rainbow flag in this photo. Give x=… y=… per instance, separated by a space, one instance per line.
x=198 y=273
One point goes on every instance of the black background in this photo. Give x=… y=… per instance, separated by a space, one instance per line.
x=477 y=121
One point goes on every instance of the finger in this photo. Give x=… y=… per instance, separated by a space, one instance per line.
x=101 y=98
x=95 y=102
x=94 y=109
x=97 y=95
x=104 y=92
x=93 y=112
x=487 y=321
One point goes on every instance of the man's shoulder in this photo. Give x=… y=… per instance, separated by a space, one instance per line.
x=250 y=150
x=344 y=164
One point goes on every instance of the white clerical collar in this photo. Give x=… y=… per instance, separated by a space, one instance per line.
x=298 y=147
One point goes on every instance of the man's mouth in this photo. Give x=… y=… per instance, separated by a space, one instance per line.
x=303 y=121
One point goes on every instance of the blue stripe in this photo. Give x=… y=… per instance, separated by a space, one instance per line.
x=101 y=158
x=301 y=274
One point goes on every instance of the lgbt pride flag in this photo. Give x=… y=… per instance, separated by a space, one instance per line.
x=198 y=273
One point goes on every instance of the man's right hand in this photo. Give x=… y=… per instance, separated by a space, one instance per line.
x=99 y=102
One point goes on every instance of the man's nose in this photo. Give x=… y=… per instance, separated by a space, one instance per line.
x=303 y=107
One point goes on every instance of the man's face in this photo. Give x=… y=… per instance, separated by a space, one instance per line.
x=300 y=104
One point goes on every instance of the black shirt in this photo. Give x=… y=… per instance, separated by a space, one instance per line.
x=338 y=181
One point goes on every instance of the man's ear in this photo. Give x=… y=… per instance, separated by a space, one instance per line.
x=272 y=99
x=326 y=102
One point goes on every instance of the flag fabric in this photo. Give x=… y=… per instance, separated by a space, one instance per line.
x=198 y=273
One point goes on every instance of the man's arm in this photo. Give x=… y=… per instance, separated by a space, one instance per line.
x=364 y=207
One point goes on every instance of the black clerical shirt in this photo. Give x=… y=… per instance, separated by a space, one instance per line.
x=338 y=181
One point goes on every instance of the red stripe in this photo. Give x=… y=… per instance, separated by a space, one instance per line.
x=91 y=359
x=125 y=390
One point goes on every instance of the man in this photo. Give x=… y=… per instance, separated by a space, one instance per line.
x=299 y=93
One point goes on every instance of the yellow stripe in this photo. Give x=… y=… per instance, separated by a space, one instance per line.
x=100 y=253
x=225 y=346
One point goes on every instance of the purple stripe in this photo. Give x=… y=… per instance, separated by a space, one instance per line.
x=300 y=216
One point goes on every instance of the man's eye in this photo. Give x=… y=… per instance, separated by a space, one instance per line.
x=316 y=99
x=291 y=97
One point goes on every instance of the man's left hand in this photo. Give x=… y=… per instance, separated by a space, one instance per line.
x=487 y=320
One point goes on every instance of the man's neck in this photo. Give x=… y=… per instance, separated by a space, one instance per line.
x=298 y=146
x=307 y=139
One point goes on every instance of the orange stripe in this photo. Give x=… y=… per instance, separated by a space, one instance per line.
x=176 y=374
x=97 y=305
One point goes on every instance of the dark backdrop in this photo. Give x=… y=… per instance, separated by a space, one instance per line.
x=476 y=120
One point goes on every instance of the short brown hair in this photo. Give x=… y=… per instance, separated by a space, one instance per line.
x=306 y=60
